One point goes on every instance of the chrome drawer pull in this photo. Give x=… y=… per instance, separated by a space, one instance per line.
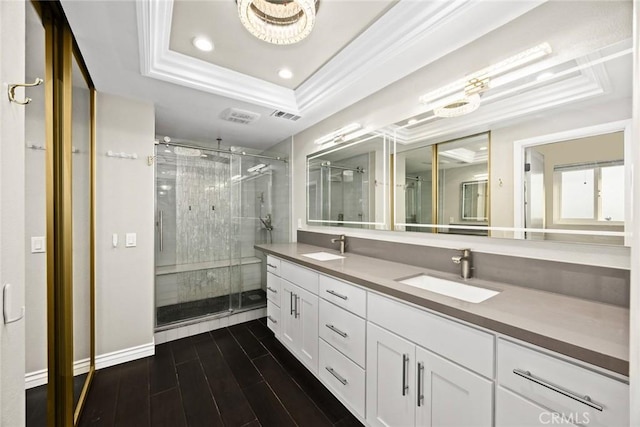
x=334 y=293
x=291 y=295
x=272 y=266
x=585 y=400
x=420 y=384
x=272 y=319
x=405 y=382
x=338 y=376
x=336 y=330
x=272 y=289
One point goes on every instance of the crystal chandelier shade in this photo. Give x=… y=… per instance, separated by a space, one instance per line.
x=278 y=21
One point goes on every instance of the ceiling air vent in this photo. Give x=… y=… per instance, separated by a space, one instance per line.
x=285 y=115
x=236 y=115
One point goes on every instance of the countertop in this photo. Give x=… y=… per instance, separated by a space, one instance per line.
x=592 y=332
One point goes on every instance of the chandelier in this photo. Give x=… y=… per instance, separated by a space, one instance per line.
x=278 y=21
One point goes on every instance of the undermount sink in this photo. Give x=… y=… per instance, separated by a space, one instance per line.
x=323 y=256
x=449 y=288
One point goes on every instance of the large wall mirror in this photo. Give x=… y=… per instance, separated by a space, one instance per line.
x=530 y=141
x=348 y=183
x=520 y=134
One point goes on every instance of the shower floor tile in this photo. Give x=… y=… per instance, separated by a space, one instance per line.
x=188 y=310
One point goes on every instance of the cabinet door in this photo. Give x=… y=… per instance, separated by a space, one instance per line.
x=391 y=395
x=306 y=314
x=450 y=395
x=289 y=326
x=515 y=410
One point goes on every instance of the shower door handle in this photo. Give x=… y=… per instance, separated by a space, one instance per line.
x=160 y=231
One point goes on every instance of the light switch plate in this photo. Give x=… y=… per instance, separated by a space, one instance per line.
x=130 y=240
x=38 y=245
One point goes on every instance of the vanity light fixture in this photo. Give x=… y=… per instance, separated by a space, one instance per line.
x=463 y=96
x=285 y=73
x=339 y=135
x=278 y=21
x=203 y=43
x=544 y=76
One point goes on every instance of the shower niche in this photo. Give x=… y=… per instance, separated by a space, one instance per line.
x=212 y=207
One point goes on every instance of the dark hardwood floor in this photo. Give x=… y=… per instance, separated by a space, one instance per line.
x=237 y=376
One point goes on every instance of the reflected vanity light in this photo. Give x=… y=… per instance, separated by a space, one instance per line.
x=256 y=168
x=338 y=133
x=464 y=89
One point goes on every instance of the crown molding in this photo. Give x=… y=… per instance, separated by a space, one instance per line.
x=159 y=62
x=378 y=57
x=379 y=44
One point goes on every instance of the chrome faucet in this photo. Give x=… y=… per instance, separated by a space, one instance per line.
x=465 y=263
x=342 y=239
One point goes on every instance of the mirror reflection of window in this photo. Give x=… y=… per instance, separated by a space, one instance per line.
x=583 y=187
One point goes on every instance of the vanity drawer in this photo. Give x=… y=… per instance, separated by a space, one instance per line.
x=555 y=384
x=344 y=295
x=273 y=317
x=343 y=330
x=343 y=377
x=273 y=288
x=303 y=277
x=462 y=344
x=273 y=265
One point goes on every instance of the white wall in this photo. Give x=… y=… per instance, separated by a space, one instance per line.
x=124 y=276
x=12 y=173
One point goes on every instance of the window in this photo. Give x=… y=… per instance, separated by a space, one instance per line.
x=589 y=192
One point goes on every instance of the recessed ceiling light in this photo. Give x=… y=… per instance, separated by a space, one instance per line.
x=203 y=43
x=412 y=121
x=167 y=151
x=285 y=73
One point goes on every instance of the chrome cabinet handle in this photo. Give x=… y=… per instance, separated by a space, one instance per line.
x=405 y=383
x=336 y=330
x=297 y=302
x=420 y=384
x=269 y=288
x=334 y=293
x=160 y=230
x=272 y=319
x=272 y=266
x=291 y=303
x=585 y=400
x=339 y=377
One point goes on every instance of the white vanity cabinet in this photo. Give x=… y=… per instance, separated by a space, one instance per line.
x=408 y=385
x=342 y=345
x=299 y=313
x=396 y=364
x=273 y=295
x=536 y=388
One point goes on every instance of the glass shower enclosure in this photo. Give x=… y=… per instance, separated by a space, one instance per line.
x=212 y=206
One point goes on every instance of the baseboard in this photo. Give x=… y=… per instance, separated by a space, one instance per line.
x=126 y=355
x=38 y=378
